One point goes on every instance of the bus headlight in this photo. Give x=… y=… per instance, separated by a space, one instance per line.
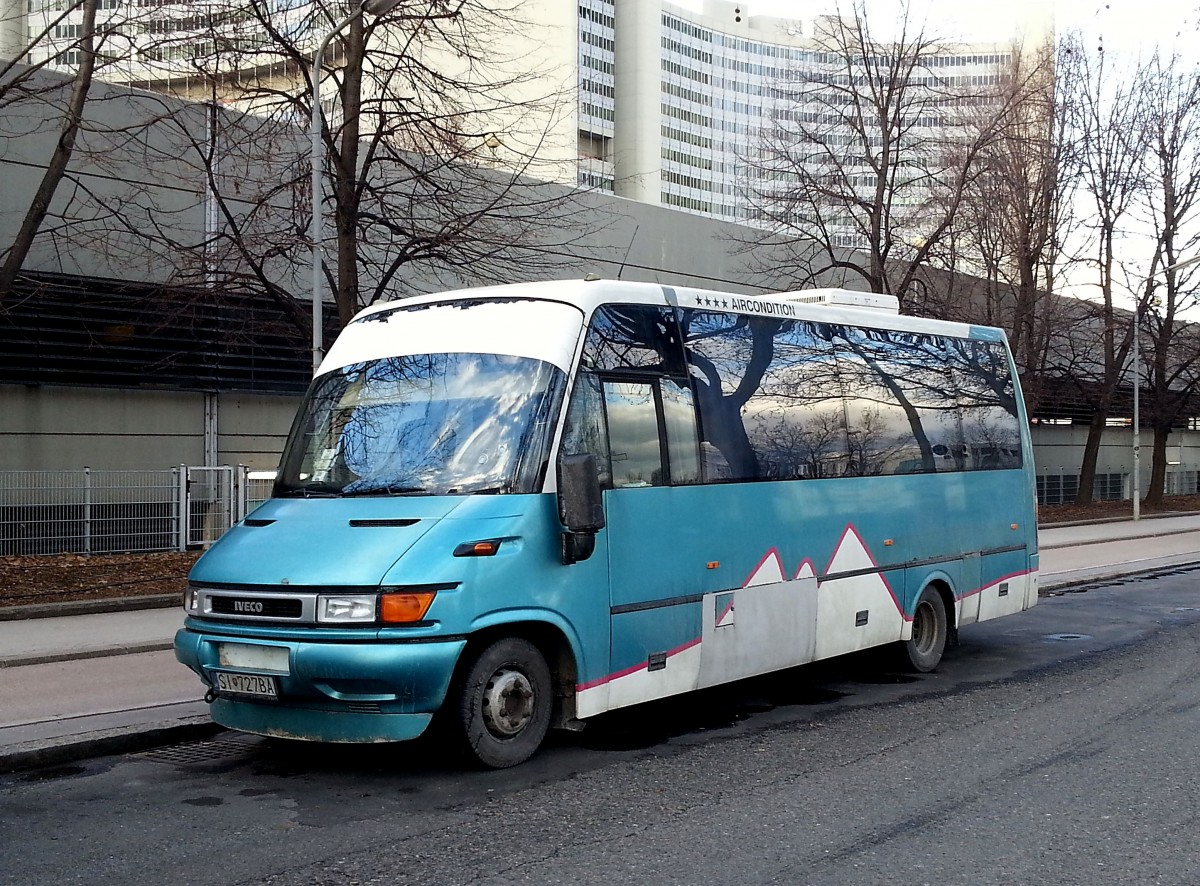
x=346 y=607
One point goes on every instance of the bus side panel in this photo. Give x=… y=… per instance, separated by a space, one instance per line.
x=750 y=555
x=864 y=608
x=667 y=665
x=1006 y=585
x=972 y=581
x=713 y=583
x=763 y=627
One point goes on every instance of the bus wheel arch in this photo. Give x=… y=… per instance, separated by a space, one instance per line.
x=932 y=628
x=514 y=682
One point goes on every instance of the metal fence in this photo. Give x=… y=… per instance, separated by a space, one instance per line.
x=95 y=512
x=1183 y=482
x=1059 y=487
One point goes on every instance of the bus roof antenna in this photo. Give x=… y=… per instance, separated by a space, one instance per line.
x=628 y=248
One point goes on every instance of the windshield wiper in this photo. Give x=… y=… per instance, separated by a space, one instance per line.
x=306 y=492
x=386 y=490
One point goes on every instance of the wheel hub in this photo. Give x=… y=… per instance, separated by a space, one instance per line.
x=507 y=703
x=924 y=632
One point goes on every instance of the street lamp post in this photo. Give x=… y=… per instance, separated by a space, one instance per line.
x=1137 y=386
x=374 y=8
x=1137 y=442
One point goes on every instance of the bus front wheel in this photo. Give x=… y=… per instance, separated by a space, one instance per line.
x=504 y=704
x=924 y=649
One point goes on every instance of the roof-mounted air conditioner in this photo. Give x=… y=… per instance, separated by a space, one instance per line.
x=849 y=298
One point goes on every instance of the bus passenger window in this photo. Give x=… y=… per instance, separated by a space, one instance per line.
x=679 y=416
x=633 y=441
x=584 y=432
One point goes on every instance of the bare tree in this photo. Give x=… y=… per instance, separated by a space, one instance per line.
x=436 y=125
x=14 y=85
x=1109 y=127
x=1019 y=210
x=865 y=163
x=432 y=138
x=1172 y=197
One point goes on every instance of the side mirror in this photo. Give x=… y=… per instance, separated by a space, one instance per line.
x=580 y=506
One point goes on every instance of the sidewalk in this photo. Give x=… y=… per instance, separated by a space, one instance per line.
x=85 y=685
x=1087 y=553
x=78 y=686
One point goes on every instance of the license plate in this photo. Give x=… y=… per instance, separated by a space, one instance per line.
x=255 y=685
x=244 y=656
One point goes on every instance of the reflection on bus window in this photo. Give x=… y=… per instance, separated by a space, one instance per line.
x=633 y=441
x=437 y=424
x=585 y=433
x=682 y=446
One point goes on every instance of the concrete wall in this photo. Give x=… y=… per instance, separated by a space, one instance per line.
x=1059 y=450
x=48 y=427
x=54 y=428
x=252 y=428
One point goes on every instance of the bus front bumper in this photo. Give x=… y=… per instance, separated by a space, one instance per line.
x=323 y=690
x=310 y=724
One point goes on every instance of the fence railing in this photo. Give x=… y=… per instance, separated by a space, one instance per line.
x=1057 y=487
x=95 y=512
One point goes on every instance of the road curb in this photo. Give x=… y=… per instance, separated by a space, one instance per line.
x=90 y=607
x=1073 y=585
x=1099 y=521
x=100 y=652
x=125 y=740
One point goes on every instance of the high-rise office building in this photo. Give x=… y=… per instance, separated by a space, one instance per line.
x=670 y=101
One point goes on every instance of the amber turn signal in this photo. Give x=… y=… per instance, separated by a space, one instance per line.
x=486 y=548
x=405 y=608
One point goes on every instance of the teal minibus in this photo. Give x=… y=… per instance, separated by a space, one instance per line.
x=511 y=508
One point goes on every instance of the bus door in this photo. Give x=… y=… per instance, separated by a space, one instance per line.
x=657 y=536
x=631 y=408
x=692 y=623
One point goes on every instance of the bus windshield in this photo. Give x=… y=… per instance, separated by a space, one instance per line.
x=424 y=424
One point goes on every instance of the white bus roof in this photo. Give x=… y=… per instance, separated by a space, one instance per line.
x=817 y=304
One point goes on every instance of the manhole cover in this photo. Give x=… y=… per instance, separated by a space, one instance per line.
x=1064 y=637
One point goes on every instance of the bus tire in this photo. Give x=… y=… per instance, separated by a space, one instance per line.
x=930 y=631
x=505 y=702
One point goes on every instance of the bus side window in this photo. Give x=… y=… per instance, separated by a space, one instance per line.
x=635 y=447
x=683 y=447
x=584 y=433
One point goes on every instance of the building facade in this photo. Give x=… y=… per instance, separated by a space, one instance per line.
x=671 y=103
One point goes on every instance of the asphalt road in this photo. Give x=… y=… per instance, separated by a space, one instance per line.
x=1059 y=745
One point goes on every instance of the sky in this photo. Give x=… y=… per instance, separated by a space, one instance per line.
x=1127 y=29
x=1134 y=26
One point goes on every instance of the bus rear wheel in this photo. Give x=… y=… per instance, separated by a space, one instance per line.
x=924 y=649
x=504 y=704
